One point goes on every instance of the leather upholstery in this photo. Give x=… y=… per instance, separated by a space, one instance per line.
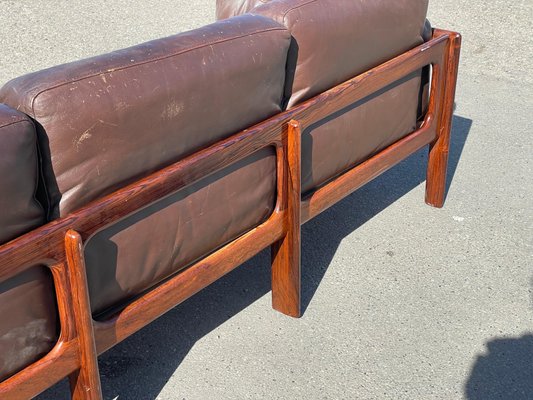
x=28 y=329
x=109 y=120
x=352 y=135
x=181 y=229
x=143 y=249
x=336 y=40
x=27 y=306
x=18 y=175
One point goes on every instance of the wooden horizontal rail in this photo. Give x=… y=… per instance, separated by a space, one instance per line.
x=186 y=283
x=353 y=179
x=56 y=365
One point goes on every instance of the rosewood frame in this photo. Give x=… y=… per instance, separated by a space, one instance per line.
x=59 y=244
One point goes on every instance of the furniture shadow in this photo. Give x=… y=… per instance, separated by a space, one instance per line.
x=140 y=366
x=505 y=371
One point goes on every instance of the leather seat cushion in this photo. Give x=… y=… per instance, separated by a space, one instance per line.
x=147 y=247
x=350 y=136
x=110 y=120
x=29 y=327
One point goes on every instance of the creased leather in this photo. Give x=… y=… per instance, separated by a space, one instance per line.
x=28 y=328
x=352 y=135
x=106 y=121
x=180 y=229
x=19 y=209
x=27 y=306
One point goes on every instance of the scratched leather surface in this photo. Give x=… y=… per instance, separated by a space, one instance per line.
x=106 y=121
x=27 y=306
x=109 y=120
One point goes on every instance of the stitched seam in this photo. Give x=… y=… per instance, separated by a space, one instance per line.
x=296 y=7
x=14 y=123
x=149 y=61
x=37 y=168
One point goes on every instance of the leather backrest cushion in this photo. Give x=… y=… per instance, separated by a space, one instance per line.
x=19 y=210
x=109 y=120
x=335 y=40
x=231 y=8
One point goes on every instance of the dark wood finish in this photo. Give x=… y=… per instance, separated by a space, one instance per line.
x=286 y=252
x=187 y=283
x=352 y=180
x=85 y=381
x=42 y=374
x=438 y=150
x=432 y=52
x=57 y=245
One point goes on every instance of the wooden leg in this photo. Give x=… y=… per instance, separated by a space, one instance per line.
x=85 y=382
x=286 y=253
x=438 y=150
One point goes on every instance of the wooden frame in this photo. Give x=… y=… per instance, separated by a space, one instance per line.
x=59 y=244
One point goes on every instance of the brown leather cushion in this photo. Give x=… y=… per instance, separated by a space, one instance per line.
x=27 y=306
x=109 y=120
x=28 y=328
x=352 y=135
x=334 y=41
x=143 y=249
x=18 y=175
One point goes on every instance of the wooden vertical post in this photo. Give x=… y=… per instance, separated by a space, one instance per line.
x=85 y=382
x=439 y=149
x=286 y=274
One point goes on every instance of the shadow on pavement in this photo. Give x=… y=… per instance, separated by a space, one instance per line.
x=505 y=372
x=139 y=367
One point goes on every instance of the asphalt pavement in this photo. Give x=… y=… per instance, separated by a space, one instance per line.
x=402 y=301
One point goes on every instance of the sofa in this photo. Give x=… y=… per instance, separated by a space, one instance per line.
x=131 y=180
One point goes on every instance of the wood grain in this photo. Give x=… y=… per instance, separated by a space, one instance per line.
x=39 y=376
x=187 y=283
x=286 y=280
x=85 y=381
x=439 y=149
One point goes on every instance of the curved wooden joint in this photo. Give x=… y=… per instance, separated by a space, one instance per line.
x=286 y=280
x=84 y=382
